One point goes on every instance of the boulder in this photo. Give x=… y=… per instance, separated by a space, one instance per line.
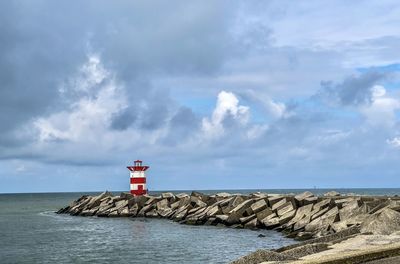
x=264 y=213
x=167 y=195
x=246 y=219
x=95 y=201
x=165 y=212
x=302 y=196
x=301 y=213
x=213 y=210
x=273 y=199
x=145 y=209
x=300 y=224
x=331 y=194
x=163 y=204
x=152 y=213
x=351 y=209
x=232 y=204
x=283 y=219
x=323 y=222
x=195 y=201
x=310 y=200
x=271 y=222
x=241 y=208
x=223 y=195
x=384 y=222
x=125 y=212
x=259 y=206
x=181 y=195
x=285 y=208
x=252 y=224
x=221 y=218
x=317 y=212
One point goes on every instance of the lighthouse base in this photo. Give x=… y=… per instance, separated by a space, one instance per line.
x=138 y=192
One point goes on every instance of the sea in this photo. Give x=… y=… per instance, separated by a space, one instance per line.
x=31 y=232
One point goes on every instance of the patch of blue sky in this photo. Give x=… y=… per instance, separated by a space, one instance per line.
x=199 y=105
x=394 y=67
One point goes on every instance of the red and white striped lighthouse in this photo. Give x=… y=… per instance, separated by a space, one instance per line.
x=138 y=178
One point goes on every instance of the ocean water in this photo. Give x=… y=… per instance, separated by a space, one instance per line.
x=30 y=232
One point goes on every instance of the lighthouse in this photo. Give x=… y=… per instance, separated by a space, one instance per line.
x=138 y=178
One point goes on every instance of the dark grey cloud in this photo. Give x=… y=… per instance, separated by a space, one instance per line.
x=354 y=90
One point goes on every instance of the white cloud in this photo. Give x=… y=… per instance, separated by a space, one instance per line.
x=227 y=105
x=88 y=117
x=381 y=110
x=394 y=142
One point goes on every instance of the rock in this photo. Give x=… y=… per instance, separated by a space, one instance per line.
x=315 y=213
x=95 y=201
x=340 y=202
x=152 y=213
x=121 y=204
x=232 y=204
x=331 y=194
x=167 y=195
x=258 y=206
x=300 y=213
x=277 y=204
x=324 y=221
x=310 y=200
x=213 y=210
x=125 y=212
x=145 y=209
x=197 y=202
x=383 y=222
x=285 y=208
x=261 y=235
x=163 y=204
x=246 y=219
x=351 y=209
x=221 y=218
x=223 y=194
x=271 y=222
x=300 y=224
x=322 y=204
x=283 y=219
x=251 y=224
x=302 y=196
x=241 y=208
x=165 y=212
x=211 y=221
x=273 y=199
x=133 y=210
x=181 y=195
x=264 y=213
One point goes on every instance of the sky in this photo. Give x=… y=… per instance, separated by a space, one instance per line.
x=209 y=94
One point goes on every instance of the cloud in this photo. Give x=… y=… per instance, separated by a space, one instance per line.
x=227 y=108
x=382 y=109
x=354 y=90
x=394 y=142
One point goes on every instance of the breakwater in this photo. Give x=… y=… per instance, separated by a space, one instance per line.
x=317 y=219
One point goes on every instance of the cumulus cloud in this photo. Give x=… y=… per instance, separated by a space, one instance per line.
x=227 y=107
x=88 y=117
x=382 y=109
x=394 y=142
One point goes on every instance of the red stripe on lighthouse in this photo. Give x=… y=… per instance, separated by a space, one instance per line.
x=138 y=180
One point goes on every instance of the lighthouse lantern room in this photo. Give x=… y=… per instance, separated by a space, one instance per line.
x=138 y=178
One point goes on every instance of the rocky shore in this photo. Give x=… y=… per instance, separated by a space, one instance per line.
x=322 y=222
